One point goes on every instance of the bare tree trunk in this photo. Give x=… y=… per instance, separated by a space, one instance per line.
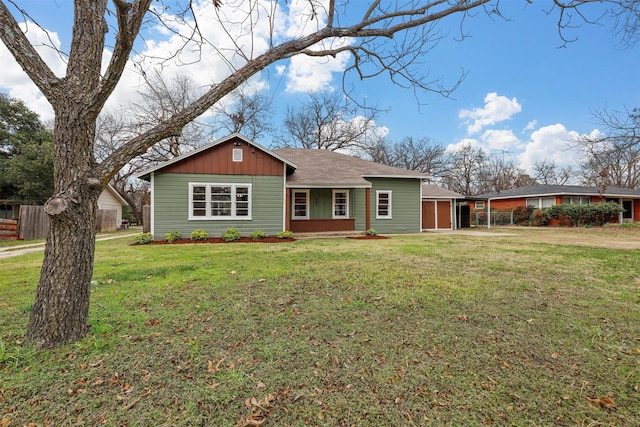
x=61 y=307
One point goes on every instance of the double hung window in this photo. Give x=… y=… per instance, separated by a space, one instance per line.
x=300 y=204
x=219 y=201
x=383 y=204
x=340 y=204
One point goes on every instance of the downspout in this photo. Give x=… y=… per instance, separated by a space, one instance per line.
x=488 y=213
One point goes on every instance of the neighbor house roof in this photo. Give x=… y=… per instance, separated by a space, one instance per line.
x=145 y=174
x=559 y=190
x=322 y=168
x=435 y=192
x=116 y=195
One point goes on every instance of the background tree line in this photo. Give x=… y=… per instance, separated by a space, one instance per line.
x=325 y=120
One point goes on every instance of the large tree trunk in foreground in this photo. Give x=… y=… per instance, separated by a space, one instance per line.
x=61 y=307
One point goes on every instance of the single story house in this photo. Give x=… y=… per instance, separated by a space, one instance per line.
x=235 y=182
x=440 y=208
x=543 y=196
x=110 y=199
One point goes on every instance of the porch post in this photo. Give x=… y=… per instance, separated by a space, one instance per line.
x=287 y=210
x=367 y=204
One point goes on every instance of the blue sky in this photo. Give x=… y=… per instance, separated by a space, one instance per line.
x=524 y=96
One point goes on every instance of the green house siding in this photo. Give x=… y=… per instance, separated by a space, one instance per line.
x=171 y=204
x=358 y=203
x=405 y=205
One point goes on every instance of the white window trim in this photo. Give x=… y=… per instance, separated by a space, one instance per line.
x=208 y=217
x=480 y=204
x=293 y=204
x=378 y=193
x=237 y=155
x=333 y=204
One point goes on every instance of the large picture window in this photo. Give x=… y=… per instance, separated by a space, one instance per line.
x=340 y=204
x=383 y=204
x=219 y=201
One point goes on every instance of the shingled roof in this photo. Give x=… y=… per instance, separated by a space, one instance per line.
x=322 y=168
x=435 y=192
x=559 y=190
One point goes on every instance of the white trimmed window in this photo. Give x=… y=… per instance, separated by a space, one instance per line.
x=541 y=202
x=237 y=155
x=383 y=204
x=479 y=204
x=300 y=204
x=340 y=204
x=576 y=200
x=219 y=201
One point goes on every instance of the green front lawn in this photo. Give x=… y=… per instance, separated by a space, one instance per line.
x=432 y=329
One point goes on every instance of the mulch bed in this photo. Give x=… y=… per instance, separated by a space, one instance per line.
x=268 y=239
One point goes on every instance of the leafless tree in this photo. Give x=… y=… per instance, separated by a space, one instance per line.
x=422 y=155
x=464 y=174
x=547 y=172
x=498 y=174
x=330 y=121
x=248 y=113
x=382 y=38
x=612 y=158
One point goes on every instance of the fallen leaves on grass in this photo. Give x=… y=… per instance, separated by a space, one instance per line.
x=259 y=410
x=602 y=402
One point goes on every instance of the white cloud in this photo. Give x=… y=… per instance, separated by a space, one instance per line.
x=312 y=74
x=15 y=81
x=474 y=143
x=225 y=50
x=530 y=126
x=550 y=143
x=494 y=139
x=497 y=108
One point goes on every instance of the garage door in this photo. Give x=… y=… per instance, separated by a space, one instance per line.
x=436 y=214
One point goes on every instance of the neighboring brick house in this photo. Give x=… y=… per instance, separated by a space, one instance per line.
x=542 y=196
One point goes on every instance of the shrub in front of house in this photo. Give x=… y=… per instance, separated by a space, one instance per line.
x=285 y=234
x=586 y=215
x=143 y=239
x=257 y=235
x=172 y=236
x=199 y=235
x=523 y=215
x=231 y=235
x=372 y=232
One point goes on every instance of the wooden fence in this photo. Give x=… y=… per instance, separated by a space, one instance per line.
x=8 y=229
x=34 y=222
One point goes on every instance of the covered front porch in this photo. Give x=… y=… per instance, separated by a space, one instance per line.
x=317 y=210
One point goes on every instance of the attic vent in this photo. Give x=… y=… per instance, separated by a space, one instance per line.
x=237 y=154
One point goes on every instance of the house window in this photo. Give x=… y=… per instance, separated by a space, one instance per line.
x=219 y=201
x=383 y=204
x=300 y=204
x=237 y=154
x=576 y=200
x=480 y=204
x=340 y=204
x=541 y=202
